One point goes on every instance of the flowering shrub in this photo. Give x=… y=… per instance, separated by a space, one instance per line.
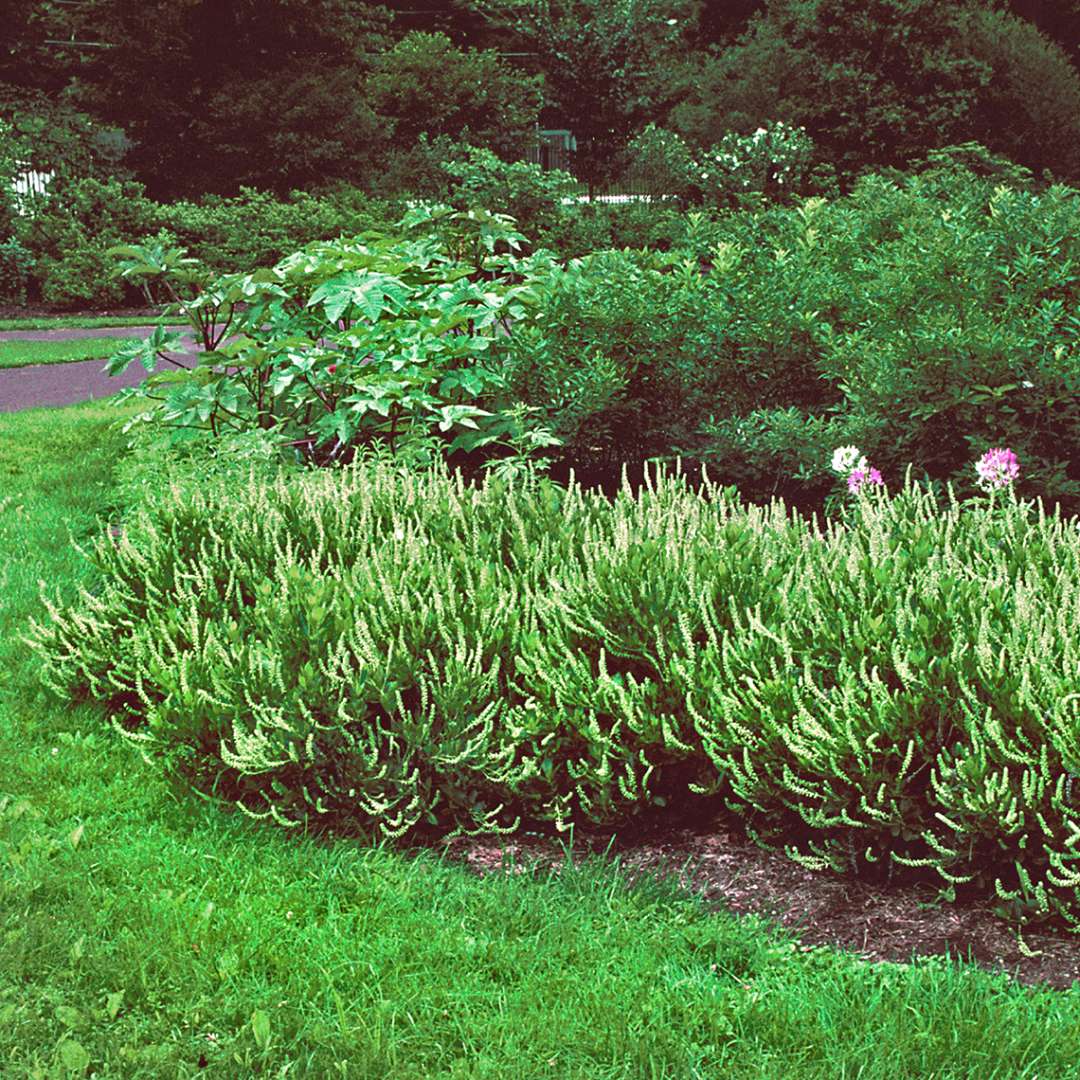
x=923 y=318
x=846 y=459
x=390 y=652
x=852 y=466
x=849 y=463
x=860 y=478
x=533 y=196
x=773 y=160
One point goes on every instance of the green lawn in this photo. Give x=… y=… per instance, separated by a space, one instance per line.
x=144 y=933
x=21 y=353
x=68 y=322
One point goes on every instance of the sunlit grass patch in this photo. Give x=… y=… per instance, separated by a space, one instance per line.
x=23 y=353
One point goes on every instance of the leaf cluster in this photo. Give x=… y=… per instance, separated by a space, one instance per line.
x=922 y=317
x=367 y=342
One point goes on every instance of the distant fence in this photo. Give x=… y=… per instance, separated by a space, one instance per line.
x=636 y=182
x=553 y=150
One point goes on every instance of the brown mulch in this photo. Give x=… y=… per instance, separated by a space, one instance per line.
x=892 y=922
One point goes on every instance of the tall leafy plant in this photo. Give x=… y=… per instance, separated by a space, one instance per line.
x=373 y=341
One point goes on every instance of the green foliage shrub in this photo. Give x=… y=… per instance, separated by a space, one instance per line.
x=388 y=652
x=68 y=237
x=255 y=228
x=624 y=355
x=16 y=268
x=922 y=317
x=70 y=233
x=426 y=85
x=537 y=199
x=585 y=228
x=371 y=341
x=548 y=204
x=940 y=318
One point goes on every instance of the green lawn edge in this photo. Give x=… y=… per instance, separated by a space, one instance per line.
x=15 y=354
x=75 y=322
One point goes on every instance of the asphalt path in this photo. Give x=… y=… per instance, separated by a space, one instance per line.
x=48 y=385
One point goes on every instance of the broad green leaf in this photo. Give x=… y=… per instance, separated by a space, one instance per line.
x=260 y=1027
x=74 y=1056
x=69 y=1016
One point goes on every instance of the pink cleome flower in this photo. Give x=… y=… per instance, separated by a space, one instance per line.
x=997 y=468
x=860 y=477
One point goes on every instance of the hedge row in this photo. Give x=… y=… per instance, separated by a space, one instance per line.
x=58 y=255
x=388 y=653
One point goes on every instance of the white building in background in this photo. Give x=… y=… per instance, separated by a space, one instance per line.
x=29 y=185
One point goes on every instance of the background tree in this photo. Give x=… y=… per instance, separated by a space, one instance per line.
x=426 y=85
x=606 y=64
x=199 y=85
x=1030 y=109
x=27 y=62
x=720 y=23
x=878 y=82
x=1059 y=20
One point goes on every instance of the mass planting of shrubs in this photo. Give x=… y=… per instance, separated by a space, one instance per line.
x=604 y=437
x=390 y=651
x=926 y=318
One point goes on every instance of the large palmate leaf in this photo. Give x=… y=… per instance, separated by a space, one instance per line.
x=370 y=291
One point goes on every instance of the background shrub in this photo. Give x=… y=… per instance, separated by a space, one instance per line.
x=16 y=267
x=70 y=233
x=538 y=199
x=62 y=248
x=255 y=228
x=924 y=318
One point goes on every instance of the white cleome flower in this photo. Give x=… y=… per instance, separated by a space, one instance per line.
x=847 y=458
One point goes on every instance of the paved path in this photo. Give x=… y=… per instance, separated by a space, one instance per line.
x=38 y=385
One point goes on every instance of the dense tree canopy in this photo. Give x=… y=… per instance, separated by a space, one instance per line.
x=877 y=82
x=215 y=94
x=427 y=85
x=606 y=63
x=1059 y=20
x=202 y=85
x=26 y=61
